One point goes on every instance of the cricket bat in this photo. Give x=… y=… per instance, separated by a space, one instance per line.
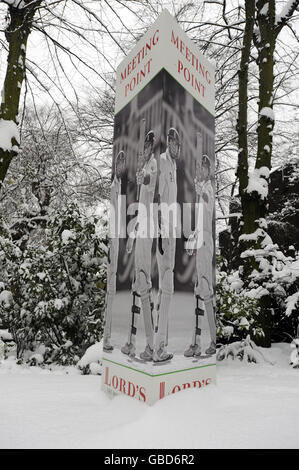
x=192 y=240
x=140 y=161
x=198 y=160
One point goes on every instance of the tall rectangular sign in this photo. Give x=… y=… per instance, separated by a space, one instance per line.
x=160 y=332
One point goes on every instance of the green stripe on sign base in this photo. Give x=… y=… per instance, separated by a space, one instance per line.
x=158 y=375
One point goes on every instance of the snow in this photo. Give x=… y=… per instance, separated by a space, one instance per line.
x=38 y=358
x=267 y=112
x=262 y=222
x=257 y=181
x=8 y=131
x=16 y=3
x=2 y=349
x=257 y=33
x=41 y=275
x=92 y=355
x=257 y=293
x=291 y=302
x=286 y=8
x=253 y=236
x=265 y=10
x=67 y=235
x=5 y=298
x=58 y=304
x=5 y=335
x=252 y=406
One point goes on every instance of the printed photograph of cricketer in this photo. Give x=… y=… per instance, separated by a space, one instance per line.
x=160 y=302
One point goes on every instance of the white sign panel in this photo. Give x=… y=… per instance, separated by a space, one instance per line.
x=166 y=46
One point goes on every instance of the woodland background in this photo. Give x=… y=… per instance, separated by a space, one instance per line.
x=57 y=69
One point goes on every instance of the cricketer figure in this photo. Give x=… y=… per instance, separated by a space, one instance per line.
x=120 y=168
x=204 y=293
x=167 y=241
x=141 y=287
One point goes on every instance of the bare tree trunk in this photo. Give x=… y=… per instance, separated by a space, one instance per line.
x=17 y=34
x=242 y=168
x=266 y=48
x=254 y=186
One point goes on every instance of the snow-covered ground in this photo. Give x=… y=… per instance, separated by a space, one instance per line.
x=252 y=406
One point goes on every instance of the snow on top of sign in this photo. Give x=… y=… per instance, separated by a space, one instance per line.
x=8 y=131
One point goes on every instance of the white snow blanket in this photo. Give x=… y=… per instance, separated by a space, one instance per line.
x=253 y=406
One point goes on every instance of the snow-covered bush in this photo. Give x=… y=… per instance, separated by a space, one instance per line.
x=7 y=251
x=278 y=278
x=238 y=307
x=55 y=289
x=244 y=350
x=91 y=362
x=236 y=313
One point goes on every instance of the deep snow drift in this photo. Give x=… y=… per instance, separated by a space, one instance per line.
x=252 y=406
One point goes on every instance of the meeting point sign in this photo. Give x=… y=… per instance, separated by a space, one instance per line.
x=160 y=329
x=165 y=45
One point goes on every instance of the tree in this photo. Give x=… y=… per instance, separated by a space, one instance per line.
x=52 y=294
x=255 y=71
x=71 y=33
x=21 y=14
x=253 y=186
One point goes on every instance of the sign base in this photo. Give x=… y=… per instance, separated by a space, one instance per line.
x=151 y=386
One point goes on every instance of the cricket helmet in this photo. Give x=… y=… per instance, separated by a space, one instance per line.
x=174 y=135
x=149 y=138
x=120 y=158
x=206 y=161
x=173 y=138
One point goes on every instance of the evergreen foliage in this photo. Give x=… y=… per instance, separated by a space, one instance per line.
x=53 y=292
x=236 y=313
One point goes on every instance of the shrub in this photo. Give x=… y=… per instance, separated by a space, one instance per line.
x=236 y=312
x=56 y=287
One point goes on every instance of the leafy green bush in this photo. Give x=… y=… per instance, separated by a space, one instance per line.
x=55 y=288
x=236 y=312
